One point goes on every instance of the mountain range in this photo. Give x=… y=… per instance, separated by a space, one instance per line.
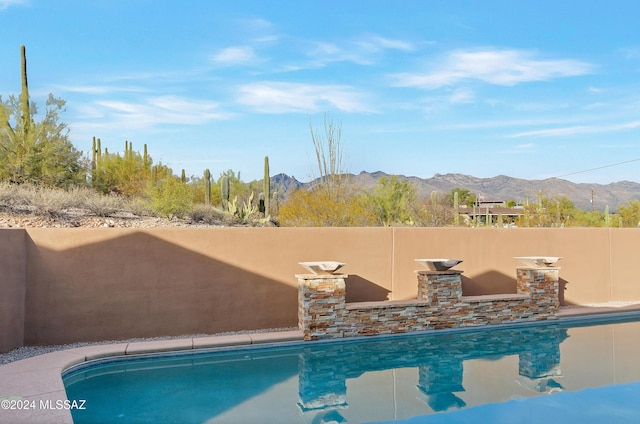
x=583 y=195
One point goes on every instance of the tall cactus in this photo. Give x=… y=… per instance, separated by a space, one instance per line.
x=93 y=154
x=24 y=93
x=266 y=186
x=183 y=177
x=145 y=159
x=456 y=208
x=224 y=192
x=207 y=187
x=607 y=217
x=275 y=202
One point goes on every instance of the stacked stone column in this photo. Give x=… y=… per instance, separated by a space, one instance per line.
x=321 y=305
x=440 y=287
x=542 y=286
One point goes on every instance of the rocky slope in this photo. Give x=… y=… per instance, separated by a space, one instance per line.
x=503 y=187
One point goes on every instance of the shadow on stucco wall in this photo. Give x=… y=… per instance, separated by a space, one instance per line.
x=140 y=285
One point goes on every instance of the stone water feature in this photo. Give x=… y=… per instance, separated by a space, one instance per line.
x=439 y=304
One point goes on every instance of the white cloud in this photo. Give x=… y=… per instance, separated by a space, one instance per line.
x=553 y=132
x=499 y=67
x=580 y=129
x=322 y=53
x=283 y=97
x=95 y=89
x=375 y=43
x=158 y=110
x=237 y=55
x=461 y=96
x=363 y=51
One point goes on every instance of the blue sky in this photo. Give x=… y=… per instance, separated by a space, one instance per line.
x=526 y=89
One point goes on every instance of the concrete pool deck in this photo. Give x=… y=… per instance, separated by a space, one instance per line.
x=35 y=386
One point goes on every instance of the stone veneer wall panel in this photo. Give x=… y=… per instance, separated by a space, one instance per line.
x=323 y=312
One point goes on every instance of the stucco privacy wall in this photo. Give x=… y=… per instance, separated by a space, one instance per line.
x=114 y=284
x=97 y=284
x=12 y=288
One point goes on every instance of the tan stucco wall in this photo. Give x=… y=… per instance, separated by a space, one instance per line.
x=100 y=284
x=12 y=287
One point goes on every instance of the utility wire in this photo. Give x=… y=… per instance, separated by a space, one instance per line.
x=600 y=167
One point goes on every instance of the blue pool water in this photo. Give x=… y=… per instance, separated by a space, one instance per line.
x=553 y=372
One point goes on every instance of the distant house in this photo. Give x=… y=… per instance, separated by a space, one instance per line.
x=491 y=212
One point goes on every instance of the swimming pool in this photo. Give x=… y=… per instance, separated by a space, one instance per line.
x=516 y=374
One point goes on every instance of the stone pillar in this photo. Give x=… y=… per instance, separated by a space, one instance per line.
x=321 y=305
x=440 y=287
x=542 y=285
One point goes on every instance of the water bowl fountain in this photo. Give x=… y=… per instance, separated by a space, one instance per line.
x=322 y=267
x=538 y=261
x=438 y=264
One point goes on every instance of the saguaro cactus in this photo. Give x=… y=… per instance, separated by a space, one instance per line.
x=207 y=187
x=24 y=93
x=93 y=154
x=146 y=159
x=224 y=192
x=266 y=186
x=456 y=208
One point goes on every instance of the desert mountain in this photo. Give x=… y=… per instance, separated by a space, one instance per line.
x=501 y=187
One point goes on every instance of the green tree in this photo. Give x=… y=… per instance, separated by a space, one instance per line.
x=465 y=197
x=36 y=152
x=553 y=212
x=393 y=201
x=438 y=210
x=630 y=214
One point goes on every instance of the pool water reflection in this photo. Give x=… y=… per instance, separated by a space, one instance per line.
x=370 y=380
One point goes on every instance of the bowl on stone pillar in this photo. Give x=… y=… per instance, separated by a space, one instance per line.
x=538 y=261
x=322 y=267
x=438 y=264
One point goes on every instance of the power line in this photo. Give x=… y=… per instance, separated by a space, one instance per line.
x=599 y=167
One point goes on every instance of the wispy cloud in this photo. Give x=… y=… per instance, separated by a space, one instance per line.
x=498 y=67
x=461 y=96
x=236 y=55
x=96 y=89
x=284 y=97
x=4 y=4
x=527 y=146
x=364 y=50
x=376 y=43
x=156 y=111
x=578 y=129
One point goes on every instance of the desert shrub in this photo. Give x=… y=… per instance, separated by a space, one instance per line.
x=169 y=197
x=206 y=214
x=104 y=205
x=323 y=208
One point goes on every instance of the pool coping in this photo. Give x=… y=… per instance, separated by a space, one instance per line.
x=37 y=387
